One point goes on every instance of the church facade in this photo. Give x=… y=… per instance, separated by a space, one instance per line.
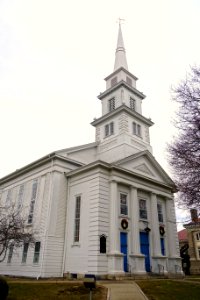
x=104 y=208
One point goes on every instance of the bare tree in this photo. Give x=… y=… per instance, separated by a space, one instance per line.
x=13 y=230
x=184 y=151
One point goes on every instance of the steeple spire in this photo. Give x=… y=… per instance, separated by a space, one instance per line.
x=120 y=54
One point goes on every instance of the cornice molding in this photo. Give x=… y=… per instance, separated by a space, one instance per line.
x=119 y=109
x=118 y=85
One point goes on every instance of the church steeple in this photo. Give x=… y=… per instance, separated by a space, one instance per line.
x=122 y=129
x=120 y=54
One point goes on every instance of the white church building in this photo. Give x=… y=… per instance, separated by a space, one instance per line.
x=104 y=208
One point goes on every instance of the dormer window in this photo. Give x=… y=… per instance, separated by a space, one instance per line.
x=113 y=81
x=111 y=104
x=128 y=80
x=109 y=129
x=136 y=129
x=132 y=103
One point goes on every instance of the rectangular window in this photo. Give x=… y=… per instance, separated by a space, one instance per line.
x=36 y=253
x=162 y=245
x=111 y=104
x=160 y=212
x=142 y=209
x=109 y=129
x=25 y=252
x=132 y=103
x=32 y=204
x=20 y=197
x=9 y=199
x=10 y=253
x=77 y=219
x=123 y=204
x=136 y=129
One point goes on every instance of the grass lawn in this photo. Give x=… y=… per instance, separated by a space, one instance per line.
x=170 y=289
x=53 y=290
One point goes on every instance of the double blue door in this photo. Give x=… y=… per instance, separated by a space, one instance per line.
x=124 y=247
x=144 y=248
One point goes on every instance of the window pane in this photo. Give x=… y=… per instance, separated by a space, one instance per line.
x=36 y=253
x=111 y=128
x=32 y=204
x=142 y=208
x=138 y=130
x=77 y=219
x=20 y=196
x=10 y=254
x=111 y=104
x=123 y=204
x=25 y=252
x=106 y=130
x=132 y=103
x=134 y=128
x=160 y=213
x=102 y=244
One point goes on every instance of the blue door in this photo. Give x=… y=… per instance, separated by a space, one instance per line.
x=123 y=243
x=162 y=245
x=144 y=248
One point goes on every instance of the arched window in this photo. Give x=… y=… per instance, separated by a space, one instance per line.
x=102 y=244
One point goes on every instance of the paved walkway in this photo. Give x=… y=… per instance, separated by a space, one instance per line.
x=123 y=290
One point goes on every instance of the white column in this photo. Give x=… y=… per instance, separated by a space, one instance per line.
x=114 y=212
x=134 y=222
x=155 y=226
x=171 y=228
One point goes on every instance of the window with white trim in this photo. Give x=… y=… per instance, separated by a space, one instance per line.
x=142 y=209
x=8 y=199
x=25 y=252
x=136 y=129
x=132 y=103
x=123 y=204
x=109 y=129
x=36 y=253
x=77 y=219
x=10 y=253
x=111 y=104
x=33 y=198
x=20 y=197
x=160 y=212
x=102 y=241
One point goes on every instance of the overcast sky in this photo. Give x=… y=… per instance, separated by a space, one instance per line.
x=54 y=56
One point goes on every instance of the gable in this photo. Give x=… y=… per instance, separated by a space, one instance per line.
x=145 y=164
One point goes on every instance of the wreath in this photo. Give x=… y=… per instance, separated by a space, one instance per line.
x=162 y=230
x=124 y=224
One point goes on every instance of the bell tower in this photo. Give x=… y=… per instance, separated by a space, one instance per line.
x=122 y=130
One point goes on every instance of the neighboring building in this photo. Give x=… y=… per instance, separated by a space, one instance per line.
x=182 y=237
x=193 y=235
x=183 y=245
x=104 y=208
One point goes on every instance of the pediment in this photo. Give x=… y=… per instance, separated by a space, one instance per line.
x=145 y=164
x=144 y=169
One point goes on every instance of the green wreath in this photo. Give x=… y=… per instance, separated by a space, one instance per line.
x=124 y=224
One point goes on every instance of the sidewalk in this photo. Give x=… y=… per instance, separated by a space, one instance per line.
x=123 y=290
